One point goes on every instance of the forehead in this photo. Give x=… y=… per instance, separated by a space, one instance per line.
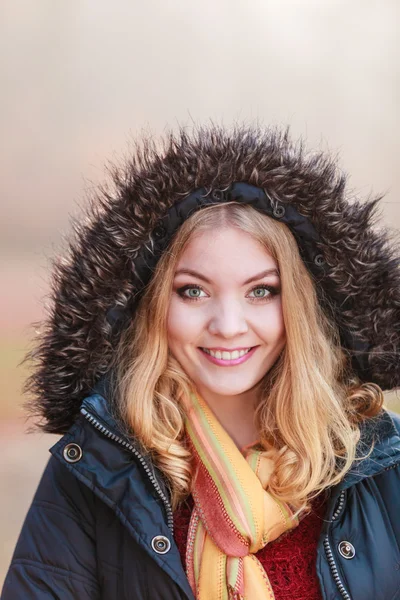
x=225 y=250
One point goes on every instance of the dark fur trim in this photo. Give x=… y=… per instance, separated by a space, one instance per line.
x=76 y=343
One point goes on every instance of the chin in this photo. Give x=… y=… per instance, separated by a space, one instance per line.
x=225 y=390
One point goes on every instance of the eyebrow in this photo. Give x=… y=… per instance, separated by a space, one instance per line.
x=250 y=280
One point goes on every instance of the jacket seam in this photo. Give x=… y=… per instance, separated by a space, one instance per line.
x=394 y=422
x=58 y=570
x=113 y=568
x=86 y=481
x=396 y=595
x=321 y=578
x=56 y=508
x=388 y=468
x=396 y=466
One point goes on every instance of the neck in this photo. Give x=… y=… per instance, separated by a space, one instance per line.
x=236 y=415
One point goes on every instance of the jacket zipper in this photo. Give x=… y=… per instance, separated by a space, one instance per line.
x=329 y=554
x=93 y=421
x=328 y=550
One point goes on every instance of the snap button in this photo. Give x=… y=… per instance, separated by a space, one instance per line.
x=217 y=195
x=159 y=231
x=319 y=260
x=160 y=544
x=72 y=453
x=347 y=550
x=278 y=211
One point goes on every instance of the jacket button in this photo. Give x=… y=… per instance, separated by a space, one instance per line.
x=159 y=231
x=279 y=211
x=217 y=195
x=72 y=453
x=347 y=550
x=160 y=544
x=319 y=260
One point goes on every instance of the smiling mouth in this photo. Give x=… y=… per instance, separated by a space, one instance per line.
x=224 y=355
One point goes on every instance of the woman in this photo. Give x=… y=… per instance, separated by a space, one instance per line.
x=220 y=337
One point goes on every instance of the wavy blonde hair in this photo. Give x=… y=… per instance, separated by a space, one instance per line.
x=310 y=402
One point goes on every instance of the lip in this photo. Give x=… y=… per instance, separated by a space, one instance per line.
x=229 y=363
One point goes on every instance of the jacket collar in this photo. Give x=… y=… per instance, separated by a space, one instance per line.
x=98 y=406
x=383 y=432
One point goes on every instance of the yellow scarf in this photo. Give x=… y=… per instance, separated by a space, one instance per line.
x=234 y=515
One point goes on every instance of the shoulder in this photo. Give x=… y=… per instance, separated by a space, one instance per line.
x=378 y=448
x=59 y=488
x=396 y=420
x=382 y=429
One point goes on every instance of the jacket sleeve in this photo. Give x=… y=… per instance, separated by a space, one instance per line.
x=55 y=555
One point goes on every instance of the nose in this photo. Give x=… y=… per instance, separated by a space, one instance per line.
x=228 y=321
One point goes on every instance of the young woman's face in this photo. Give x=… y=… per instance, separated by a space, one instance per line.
x=226 y=300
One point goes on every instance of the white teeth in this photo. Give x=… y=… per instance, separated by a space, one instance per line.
x=227 y=355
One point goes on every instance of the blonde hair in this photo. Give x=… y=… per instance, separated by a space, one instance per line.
x=310 y=402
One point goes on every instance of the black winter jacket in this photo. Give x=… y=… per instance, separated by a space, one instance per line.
x=100 y=525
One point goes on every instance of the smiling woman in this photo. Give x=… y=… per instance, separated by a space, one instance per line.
x=295 y=365
x=221 y=337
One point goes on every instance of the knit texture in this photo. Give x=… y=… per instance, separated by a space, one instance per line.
x=289 y=561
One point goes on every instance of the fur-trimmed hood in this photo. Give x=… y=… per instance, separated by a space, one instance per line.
x=111 y=251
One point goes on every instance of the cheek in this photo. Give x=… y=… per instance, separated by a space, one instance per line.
x=275 y=326
x=280 y=324
x=183 y=325
x=173 y=320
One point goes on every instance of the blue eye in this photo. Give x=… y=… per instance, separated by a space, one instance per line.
x=190 y=288
x=263 y=289
x=264 y=296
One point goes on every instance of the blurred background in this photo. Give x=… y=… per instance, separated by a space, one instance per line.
x=80 y=79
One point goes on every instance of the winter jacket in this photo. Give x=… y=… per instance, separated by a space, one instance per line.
x=100 y=524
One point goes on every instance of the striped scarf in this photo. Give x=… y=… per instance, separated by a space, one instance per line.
x=233 y=516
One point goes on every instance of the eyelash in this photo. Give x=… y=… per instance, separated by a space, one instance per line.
x=273 y=292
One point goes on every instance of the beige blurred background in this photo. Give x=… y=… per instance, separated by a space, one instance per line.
x=80 y=78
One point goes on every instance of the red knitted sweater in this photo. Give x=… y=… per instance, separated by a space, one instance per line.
x=289 y=560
